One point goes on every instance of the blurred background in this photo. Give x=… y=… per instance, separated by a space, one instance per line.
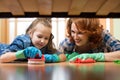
x=11 y=27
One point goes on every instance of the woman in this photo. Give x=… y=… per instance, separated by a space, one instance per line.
x=86 y=38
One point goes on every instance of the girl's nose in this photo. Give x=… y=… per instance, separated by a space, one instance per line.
x=42 y=40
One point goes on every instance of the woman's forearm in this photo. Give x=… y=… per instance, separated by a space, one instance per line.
x=111 y=56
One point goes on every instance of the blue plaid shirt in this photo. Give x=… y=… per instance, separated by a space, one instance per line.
x=109 y=44
x=20 y=42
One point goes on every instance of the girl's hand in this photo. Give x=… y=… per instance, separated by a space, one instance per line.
x=31 y=52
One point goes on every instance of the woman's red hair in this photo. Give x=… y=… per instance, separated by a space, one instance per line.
x=90 y=25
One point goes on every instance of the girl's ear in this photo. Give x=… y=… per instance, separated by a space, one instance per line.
x=30 y=33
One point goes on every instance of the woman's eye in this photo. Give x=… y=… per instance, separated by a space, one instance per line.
x=80 y=33
x=72 y=32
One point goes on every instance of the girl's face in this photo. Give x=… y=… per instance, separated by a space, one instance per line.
x=80 y=37
x=40 y=36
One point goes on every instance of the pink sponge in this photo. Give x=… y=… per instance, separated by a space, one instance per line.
x=37 y=60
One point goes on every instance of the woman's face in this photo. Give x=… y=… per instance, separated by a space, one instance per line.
x=40 y=36
x=80 y=37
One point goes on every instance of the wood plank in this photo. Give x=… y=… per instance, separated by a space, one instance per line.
x=93 y=5
x=3 y=8
x=29 y=6
x=77 y=7
x=61 y=6
x=107 y=7
x=14 y=7
x=117 y=9
x=45 y=7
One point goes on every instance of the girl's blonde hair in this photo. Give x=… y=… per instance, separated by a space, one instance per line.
x=89 y=25
x=46 y=22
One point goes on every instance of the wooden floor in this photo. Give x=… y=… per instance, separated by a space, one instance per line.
x=58 y=8
x=60 y=71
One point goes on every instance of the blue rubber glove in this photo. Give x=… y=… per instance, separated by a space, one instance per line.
x=95 y=56
x=51 y=58
x=29 y=52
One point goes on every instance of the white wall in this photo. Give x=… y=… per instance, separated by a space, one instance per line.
x=116 y=28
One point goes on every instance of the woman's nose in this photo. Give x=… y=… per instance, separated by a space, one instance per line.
x=76 y=36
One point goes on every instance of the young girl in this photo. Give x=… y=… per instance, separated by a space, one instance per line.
x=86 y=38
x=37 y=40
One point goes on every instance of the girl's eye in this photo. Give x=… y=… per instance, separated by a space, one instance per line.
x=46 y=38
x=39 y=36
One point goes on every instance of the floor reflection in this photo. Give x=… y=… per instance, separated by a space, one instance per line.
x=60 y=72
x=87 y=71
x=13 y=73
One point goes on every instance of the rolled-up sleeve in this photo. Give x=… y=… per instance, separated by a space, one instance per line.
x=19 y=43
x=66 y=46
x=111 y=41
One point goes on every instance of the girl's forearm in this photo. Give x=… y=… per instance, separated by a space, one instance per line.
x=62 y=57
x=7 y=57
